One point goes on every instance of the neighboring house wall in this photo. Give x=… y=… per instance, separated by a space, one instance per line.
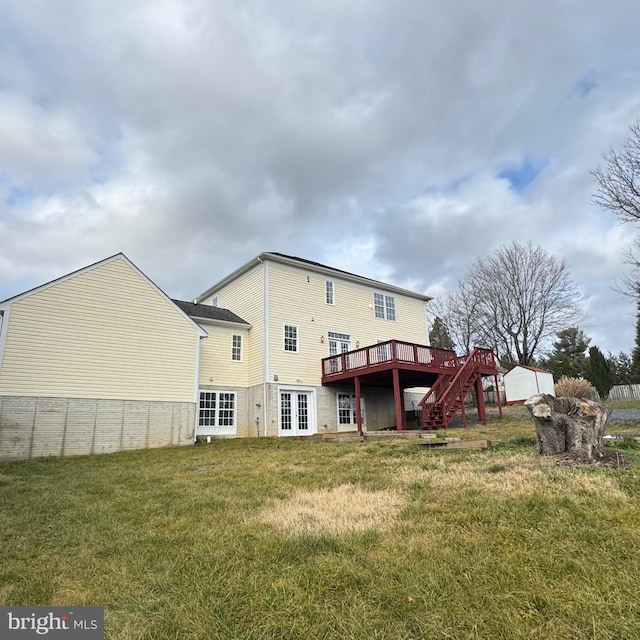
x=98 y=361
x=105 y=334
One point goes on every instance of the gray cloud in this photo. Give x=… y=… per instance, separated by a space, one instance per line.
x=373 y=136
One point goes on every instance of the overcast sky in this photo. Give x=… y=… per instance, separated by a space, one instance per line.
x=398 y=140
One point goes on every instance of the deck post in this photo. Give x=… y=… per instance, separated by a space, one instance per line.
x=358 y=404
x=498 y=397
x=482 y=412
x=464 y=413
x=398 y=401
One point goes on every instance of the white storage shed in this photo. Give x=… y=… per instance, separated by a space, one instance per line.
x=523 y=382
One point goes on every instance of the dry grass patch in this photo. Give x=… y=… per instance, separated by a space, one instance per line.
x=340 y=510
x=512 y=475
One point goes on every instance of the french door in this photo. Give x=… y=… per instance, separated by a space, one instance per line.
x=339 y=343
x=297 y=413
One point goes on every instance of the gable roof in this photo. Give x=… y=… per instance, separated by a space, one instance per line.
x=524 y=366
x=95 y=265
x=322 y=269
x=207 y=312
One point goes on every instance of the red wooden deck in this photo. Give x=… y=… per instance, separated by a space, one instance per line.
x=400 y=365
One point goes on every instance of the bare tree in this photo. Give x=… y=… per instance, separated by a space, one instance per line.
x=618 y=191
x=516 y=300
x=459 y=317
x=618 y=184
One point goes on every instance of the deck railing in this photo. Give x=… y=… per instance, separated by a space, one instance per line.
x=389 y=352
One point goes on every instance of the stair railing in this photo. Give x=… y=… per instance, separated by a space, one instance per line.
x=453 y=397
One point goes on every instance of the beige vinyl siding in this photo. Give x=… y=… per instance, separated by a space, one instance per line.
x=245 y=297
x=105 y=333
x=298 y=297
x=216 y=365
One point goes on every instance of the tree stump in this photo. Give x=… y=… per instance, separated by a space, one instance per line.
x=570 y=427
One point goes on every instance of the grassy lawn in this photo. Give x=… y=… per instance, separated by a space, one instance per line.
x=296 y=539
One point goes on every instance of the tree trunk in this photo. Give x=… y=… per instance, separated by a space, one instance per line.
x=569 y=426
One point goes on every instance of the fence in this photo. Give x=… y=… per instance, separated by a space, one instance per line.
x=621 y=392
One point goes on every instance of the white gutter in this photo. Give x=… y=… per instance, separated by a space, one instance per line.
x=4 y=330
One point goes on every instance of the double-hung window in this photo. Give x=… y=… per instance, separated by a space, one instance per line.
x=236 y=348
x=290 y=337
x=329 y=292
x=384 y=306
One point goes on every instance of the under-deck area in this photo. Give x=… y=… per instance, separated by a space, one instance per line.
x=403 y=365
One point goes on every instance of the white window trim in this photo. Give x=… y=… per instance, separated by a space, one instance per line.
x=241 y=358
x=284 y=338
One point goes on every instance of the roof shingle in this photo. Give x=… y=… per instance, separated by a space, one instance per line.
x=206 y=311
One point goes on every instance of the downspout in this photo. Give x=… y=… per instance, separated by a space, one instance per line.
x=265 y=338
x=197 y=386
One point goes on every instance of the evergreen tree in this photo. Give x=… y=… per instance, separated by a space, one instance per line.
x=599 y=372
x=568 y=356
x=620 y=368
x=439 y=335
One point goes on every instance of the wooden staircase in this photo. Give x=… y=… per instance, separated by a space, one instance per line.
x=446 y=397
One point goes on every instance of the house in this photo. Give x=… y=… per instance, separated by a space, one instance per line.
x=327 y=350
x=102 y=360
x=522 y=382
x=97 y=361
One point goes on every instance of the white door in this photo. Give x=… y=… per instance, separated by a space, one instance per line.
x=297 y=414
x=339 y=343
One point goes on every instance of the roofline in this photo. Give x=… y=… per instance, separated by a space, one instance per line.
x=229 y=323
x=46 y=285
x=318 y=268
x=9 y=301
x=529 y=368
